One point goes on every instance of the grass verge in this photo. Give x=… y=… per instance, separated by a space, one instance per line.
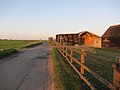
x=32 y=45
x=65 y=77
x=7 y=52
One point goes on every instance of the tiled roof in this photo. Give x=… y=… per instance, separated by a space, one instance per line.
x=112 y=31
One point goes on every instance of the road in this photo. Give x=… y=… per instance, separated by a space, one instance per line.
x=26 y=70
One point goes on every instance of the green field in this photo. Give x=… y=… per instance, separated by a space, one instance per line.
x=7 y=47
x=100 y=61
x=16 y=44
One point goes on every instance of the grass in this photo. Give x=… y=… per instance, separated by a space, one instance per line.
x=7 y=52
x=108 y=54
x=65 y=77
x=8 y=47
x=16 y=44
x=100 y=64
x=102 y=61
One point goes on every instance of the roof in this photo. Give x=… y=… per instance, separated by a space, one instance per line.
x=112 y=31
x=68 y=34
x=80 y=33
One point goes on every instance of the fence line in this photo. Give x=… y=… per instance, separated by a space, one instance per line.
x=64 y=51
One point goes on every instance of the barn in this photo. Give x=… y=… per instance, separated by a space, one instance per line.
x=82 y=38
x=111 y=38
x=67 y=39
x=89 y=39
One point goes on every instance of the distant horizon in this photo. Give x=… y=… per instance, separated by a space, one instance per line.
x=46 y=38
x=23 y=39
x=35 y=19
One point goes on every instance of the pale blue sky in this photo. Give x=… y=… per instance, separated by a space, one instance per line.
x=34 y=19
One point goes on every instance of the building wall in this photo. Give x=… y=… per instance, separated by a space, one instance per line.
x=105 y=42
x=90 y=40
x=111 y=42
x=115 y=42
x=68 y=39
x=84 y=39
x=97 y=42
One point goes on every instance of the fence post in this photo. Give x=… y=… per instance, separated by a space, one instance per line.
x=71 y=53
x=57 y=45
x=82 y=61
x=63 y=49
x=116 y=77
x=66 y=51
x=60 y=47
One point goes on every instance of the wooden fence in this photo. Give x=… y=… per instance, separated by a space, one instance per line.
x=116 y=79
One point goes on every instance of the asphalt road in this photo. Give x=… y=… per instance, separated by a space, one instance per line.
x=26 y=70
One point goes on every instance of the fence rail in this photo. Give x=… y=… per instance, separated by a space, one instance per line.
x=64 y=51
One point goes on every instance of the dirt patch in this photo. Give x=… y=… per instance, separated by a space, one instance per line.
x=51 y=71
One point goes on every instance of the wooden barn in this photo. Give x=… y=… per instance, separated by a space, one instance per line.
x=82 y=38
x=111 y=38
x=67 y=39
x=89 y=39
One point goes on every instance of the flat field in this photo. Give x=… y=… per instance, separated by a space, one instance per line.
x=100 y=61
x=16 y=44
x=8 y=47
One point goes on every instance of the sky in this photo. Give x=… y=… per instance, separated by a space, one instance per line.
x=35 y=19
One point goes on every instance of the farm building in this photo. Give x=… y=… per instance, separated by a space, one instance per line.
x=111 y=38
x=82 y=38
x=67 y=39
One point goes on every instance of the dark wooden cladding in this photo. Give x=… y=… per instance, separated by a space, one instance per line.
x=82 y=38
x=68 y=39
x=111 y=38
